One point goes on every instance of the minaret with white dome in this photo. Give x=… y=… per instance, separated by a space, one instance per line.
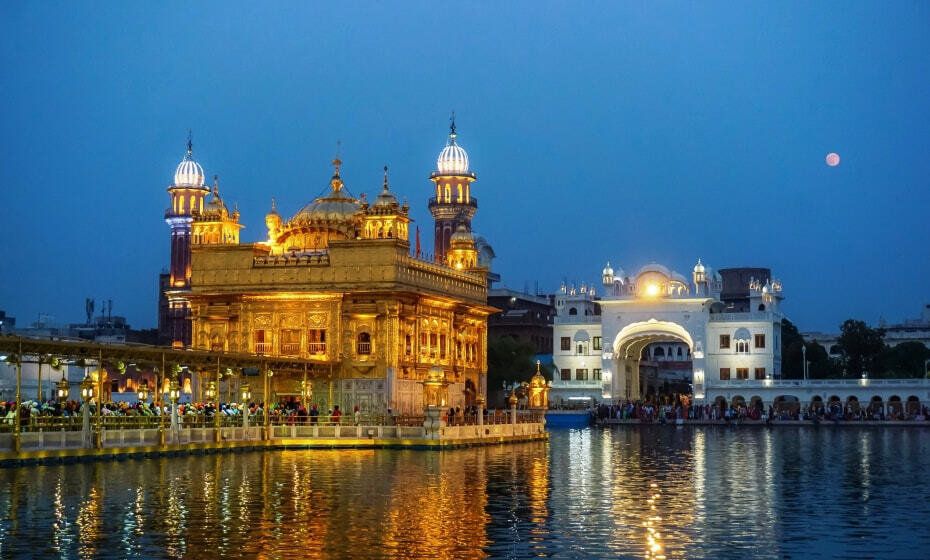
x=453 y=205
x=187 y=202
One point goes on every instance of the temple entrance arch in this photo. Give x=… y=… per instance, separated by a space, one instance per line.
x=627 y=350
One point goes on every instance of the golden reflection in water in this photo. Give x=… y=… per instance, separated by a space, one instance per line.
x=651 y=504
x=446 y=513
x=88 y=516
x=654 y=549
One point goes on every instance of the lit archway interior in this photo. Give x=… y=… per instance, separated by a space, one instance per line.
x=628 y=348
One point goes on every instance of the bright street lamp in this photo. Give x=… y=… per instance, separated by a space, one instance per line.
x=143 y=392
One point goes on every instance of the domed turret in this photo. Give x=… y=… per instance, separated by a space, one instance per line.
x=385 y=200
x=273 y=221
x=462 y=238
x=189 y=173
x=216 y=207
x=462 y=253
x=453 y=204
x=608 y=275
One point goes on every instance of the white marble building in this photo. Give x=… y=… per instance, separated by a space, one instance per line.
x=657 y=305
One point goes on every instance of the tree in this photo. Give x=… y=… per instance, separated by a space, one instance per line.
x=822 y=366
x=860 y=348
x=791 y=357
x=509 y=361
x=907 y=359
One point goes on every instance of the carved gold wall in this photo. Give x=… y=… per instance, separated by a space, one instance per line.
x=369 y=319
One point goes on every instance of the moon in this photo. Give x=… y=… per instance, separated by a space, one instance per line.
x=833 y=159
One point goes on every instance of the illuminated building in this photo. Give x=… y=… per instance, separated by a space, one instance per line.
x=335 y=284
x=191 y=221
x=453 y=206
x=600 y=344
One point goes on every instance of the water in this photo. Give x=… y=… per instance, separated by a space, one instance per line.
x=631 y=492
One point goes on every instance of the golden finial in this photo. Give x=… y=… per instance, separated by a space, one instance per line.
x=216 y=186
x=385 y=179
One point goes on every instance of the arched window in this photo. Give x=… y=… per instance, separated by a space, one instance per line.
x=573 y=311
x=679 y=351
x=658 y=351
x=363 y=344
x=761 y=307
x=448 y=193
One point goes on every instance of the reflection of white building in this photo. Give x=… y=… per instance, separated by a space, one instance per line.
x=646 y=315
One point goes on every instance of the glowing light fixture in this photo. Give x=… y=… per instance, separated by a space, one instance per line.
x=652 y=290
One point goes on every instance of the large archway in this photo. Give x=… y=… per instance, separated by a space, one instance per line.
x=627 y=351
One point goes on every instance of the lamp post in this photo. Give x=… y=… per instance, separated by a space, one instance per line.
x=306 y=391
x=174 y=393
x=213 y=394
x=62 y=389
x=246 y=394
x=87 y=393
x=143 y=392
x=210 y=392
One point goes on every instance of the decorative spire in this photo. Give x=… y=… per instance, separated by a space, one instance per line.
x=216 y=186
x=273 y=208
x=452 y=125
x=385 y=180
x=190 y=144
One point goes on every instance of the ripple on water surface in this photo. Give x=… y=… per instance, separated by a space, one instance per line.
x=628 y=492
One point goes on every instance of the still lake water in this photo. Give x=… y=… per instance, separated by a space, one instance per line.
x=628 y=491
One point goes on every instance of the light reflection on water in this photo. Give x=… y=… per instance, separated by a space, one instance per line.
x=632 y=492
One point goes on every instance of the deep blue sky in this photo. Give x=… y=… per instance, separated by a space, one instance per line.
x=631 y=132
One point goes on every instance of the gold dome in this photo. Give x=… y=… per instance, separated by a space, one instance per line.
x=336 y=207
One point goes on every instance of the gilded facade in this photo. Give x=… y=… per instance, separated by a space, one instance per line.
x=337 y=285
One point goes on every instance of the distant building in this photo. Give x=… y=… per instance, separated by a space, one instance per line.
x=910 y=330
x=525 y=317
x=7 y=323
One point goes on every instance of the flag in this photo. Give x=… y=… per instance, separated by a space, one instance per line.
x=418 y=241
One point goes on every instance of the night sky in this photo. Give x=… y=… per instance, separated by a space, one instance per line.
x=637 y=132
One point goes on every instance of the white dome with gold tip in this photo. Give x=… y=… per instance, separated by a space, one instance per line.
x=452 y=160
x=189 y=173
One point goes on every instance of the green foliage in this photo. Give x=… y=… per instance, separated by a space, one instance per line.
x=860 y=348
x=510 y=361
x=907 y=359
x=791 y=358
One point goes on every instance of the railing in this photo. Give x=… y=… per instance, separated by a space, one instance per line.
x=455 y=200
x=363 y=348
x=291 y=260
x=262 y=347
x=316 y=347
x=290 y=348
x=577 y=319
x=592 y=383
x=745 y=316
x=780 y=383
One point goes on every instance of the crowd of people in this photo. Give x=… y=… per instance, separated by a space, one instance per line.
x=670 y=409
